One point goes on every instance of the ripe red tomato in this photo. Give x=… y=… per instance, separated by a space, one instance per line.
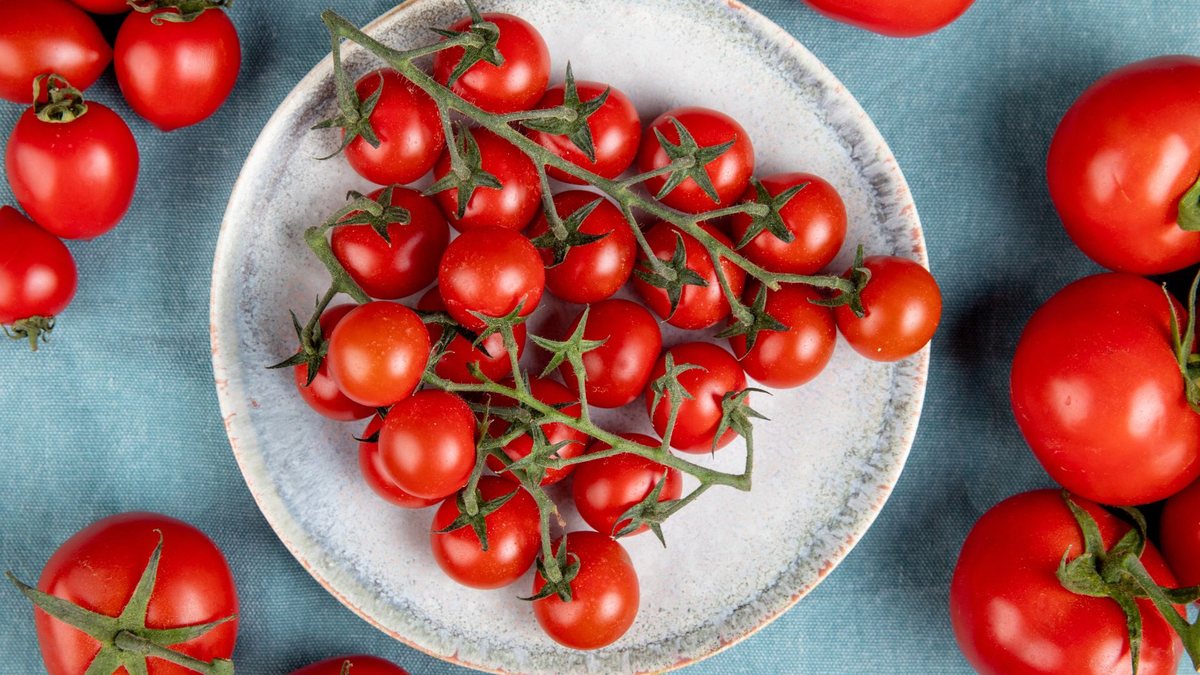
x=428 y=444
x=604 y=595
x=378 y=353
x=618 y=371
x=1097 y=392
x=512 y=206
x=37 y=272
x=460 y=353
x=604 y=489
x=390 y=271
x=591 y=272
x=896 y=18
x=730 y=173
x=406 y=124
x=815 y=216
x=1121 y=160
x=792 y=357
x=513 y=537
x=99 y=568
x=699 y=306
x=699 y=417
x=76 y=179
x=517 y=84
x=551 y=393
x=104 y=6
x=491 y=271
x=903 y=307
x=1180 y=534
x=322 y=394
x=1011 y=614
x=359 y=665
x=616 y=132
x=48 y=36
x=370 y=463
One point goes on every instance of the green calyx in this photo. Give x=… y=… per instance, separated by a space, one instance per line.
x=380 y=214
x=572 y=121
x=691 y=159
x=772 y=220
x=35 y=329
x=185 y=11
x=565 y=567
x=673 y=275
x=1189 y=209
x=484 y=49
x=466 y=173
x=860 y=276
x=561 y=243
x=313 y=348
x=63 y=103
x=354 y=114
x=475 y=515
x=757 y=319
x=1183 y=341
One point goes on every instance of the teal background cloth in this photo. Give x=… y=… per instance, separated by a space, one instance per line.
x=119 y=412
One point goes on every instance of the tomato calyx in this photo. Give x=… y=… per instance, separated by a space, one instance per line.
x=125 y=641
x=560 y=242
x=558 y=575
x=61 y=103
x=380 y=216
x=690 y=161
x=649 y=512
x=1183 y=341
x=671 y=275
x=35 y=329
x=772 y=220
x=476 y=518
x=313 y=349
x=754 y=320
x=859 y=276
x=485 y=49
x=354 y=113
x=1189 y=209
x=466 y=173
x=572 y=117
x=179 y=11
x=737 y=414
x=570 y=350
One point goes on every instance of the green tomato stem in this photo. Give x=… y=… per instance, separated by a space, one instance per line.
x=1189 y=209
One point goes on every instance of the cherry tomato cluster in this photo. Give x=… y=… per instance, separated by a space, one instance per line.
x=73 y=164
x=456 y=421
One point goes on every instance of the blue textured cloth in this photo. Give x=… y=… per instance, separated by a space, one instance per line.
x=119 y=412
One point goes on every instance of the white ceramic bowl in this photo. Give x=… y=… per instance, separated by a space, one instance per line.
x=825 y=464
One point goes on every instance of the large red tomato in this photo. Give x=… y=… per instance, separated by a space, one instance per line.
x=897 y=18
x=815 y=216
x=378 y=353
x=1180 y=534
x=460 y=354
x=37 y=272
x=700 y=306
x=104 y=6
x=615 y=127
x=358 y=665
x=491 y=271
x=604 y=489
x=594 y=271
x=618 y=370
x=716 y=374
x=513 y=534
x=730 y=172
x=512 y=206
x=375 y=472
x=48 y=36
x=790 y=357
x=322 y=393
x=518 y=83
x=553 y=394
x=407 y=125
x=428 y=444
x=903 y=307
x=604 y=596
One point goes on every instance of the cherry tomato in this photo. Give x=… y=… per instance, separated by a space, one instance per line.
x=699 y=306
x=512 y=206
x=104 y=6
x=792 y=357
x=1180 y=534
x=454 y=365
x=408 y=263
x=76 y=179
x=517 y=84
x=492 y=271
x=895 y=18
x=1121 y=160
x=617 y=371
x=322 y=394
x=591 y=272
x=406 y=123
x=604 y=489
x=1098 y=393
x=37 y=272
x=604 y=595
x=378 y=353
x=815 y=216
x=48 y=36
x=428 y=444
x=370 y=463
x=730 y=173
x=1012 y=615
x=359 y=664
x=616 y=133
x=513 y=537
x=553 y=394
x=903 y=307
x=699 y=417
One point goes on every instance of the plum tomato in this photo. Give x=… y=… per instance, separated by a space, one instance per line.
x=407 y=125
x=513 y=534
x=378 y=353
x=492 y=271
x=375 y=473
x=713 y=375
x=700 y=306
x=615 y=127
x=791 y=357
x=515 y=85
x=815 y=216
x=903 y=308
x=455 y=363
x=617 y=371
x=322 y=394
x=729 y=173
x=604 y=489
x=894 y=18
x=592 y=271
x=604 y=594
x=550 y=393
x=358 y=664
x=44 y=37
x=512 y=206
x=427 y=444
x=1180 y=534
x=37 y=273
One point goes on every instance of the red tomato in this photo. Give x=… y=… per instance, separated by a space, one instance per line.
x=491 y=271
x=428 y=444
x=390 y=271
x=616 y=132
x=618 y=371
x=604 y=595
x=792 y=357
x=896 y=18
x=1012 y=616
x=378 y=353
x=699 y=306
x=1121 y=160
x=406 y=123
x=76 y=179
x=591 y=272
x=1097 y=392
x=370 y=463
x=604 y=489
x=517 y=84
x=513 y=537
x=454 y=366
x=322 y=394
x=99 y=568
x=358 y=665
x=37 y=272
x=815 y=216
x=512 y=206
x=551 y=393
x=104 y=6
x=730 y=173
x=1180 y=534
x=48 y=36
x=699 y=417
x=903 y=307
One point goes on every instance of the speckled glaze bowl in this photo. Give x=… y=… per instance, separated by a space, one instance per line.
x=826 y=463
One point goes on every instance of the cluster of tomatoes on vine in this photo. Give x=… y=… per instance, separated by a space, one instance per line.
x=72 y=164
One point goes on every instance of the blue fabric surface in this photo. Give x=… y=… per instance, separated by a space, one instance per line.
x=119 y=412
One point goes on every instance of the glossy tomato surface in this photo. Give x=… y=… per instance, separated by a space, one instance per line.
x=323 y=394
x=595 y=271
x=815 y=216
x=604 y=596
x=375 y=473
x=490 y=357
x=516 y=84
x=895 y=18
x=406 y=123
x=791 y=357
x=44 y=37
x=615 y=127
x=553 y=394
x=359 y=665
x=730 y=173
x=716 y=374
x=903 y=307
x=492 y=271
x=512 y=206
x=428 y=444
x=513 y=537
x=378 y=353
x=37 y=272
x=604 y=489
x=1180 y=534
x=617 y=371
x=700 y=306
x=104 y=6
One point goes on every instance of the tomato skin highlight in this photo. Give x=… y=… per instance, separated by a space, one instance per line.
x=730 y=173
x=551 y=393
x=491 y=271
x=604 y=489
x=894 y=18
x=1121 y=160
x=516 y=85
x=699 y=306
x=616 y=133
x=816 y=216
x=454 y=365
x=370 y=463
x=512 y=206
x=789 y=358
x=37 y=272
x=407 y=124
x=618 y=371
x=1180 y=534
x=428 y=444
x=44 y=37
x=1011 y=615
x=719 y=374
x=378 y=353
x=323 y=395
x=595 y=271
x=605 y=595
x=1097 y=391
x=903 y=309
x=513 y=534
x=360 y=664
